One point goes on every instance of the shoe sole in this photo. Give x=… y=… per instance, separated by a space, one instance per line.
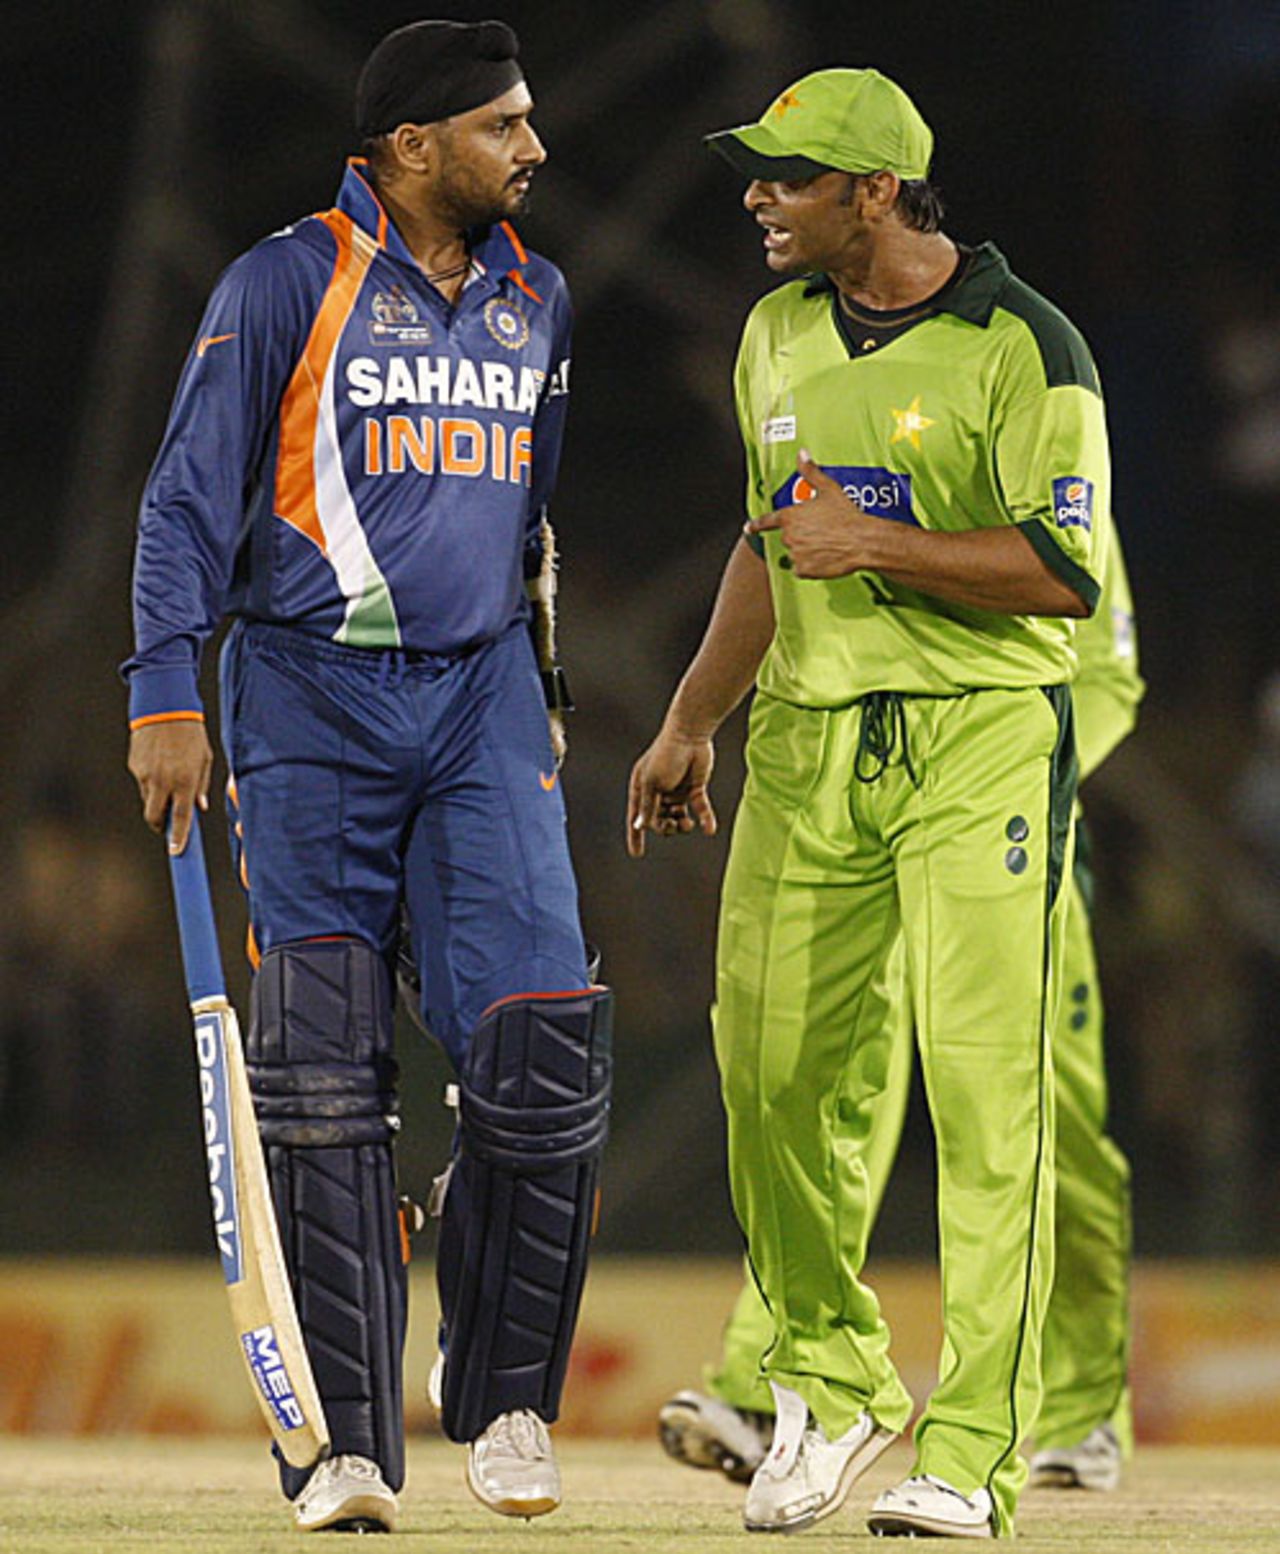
x=852 y=1471
x=358 y=1513
x=900 y=1524
x=538 y=1505
x=1060 y=1476
x=686 y=1436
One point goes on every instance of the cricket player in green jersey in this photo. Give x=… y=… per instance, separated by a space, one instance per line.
x=1084 y=1428
x=928 y=470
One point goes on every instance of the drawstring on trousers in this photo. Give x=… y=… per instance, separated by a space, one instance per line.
x=392 y=664
x=882 y=732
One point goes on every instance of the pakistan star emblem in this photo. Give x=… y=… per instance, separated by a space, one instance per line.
x=909 y=423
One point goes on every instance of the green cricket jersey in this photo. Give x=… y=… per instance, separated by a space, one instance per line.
x=985 y=412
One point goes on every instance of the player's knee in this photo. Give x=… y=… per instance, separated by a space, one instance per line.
x=320 y=1044
x=529 y=978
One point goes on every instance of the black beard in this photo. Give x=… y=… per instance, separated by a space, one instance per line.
x=468 y=214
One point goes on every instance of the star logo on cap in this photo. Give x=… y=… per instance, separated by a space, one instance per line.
x=909 y=423
x=784 y=104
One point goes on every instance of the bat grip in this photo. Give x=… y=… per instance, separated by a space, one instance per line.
x=201 y=959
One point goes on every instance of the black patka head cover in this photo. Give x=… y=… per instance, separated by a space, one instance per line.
x=431 y=70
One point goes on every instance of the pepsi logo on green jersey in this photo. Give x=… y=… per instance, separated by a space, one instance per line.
x=883 y=493
x=1073 y=502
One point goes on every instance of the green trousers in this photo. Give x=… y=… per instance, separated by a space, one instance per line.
x=948 y=822
x=1086 y=1330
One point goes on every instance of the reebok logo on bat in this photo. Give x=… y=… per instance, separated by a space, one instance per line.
x=219 y=1148
x=208 y=340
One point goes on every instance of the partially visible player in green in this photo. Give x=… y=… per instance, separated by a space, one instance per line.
x=928 y=469
x=1084 y=1430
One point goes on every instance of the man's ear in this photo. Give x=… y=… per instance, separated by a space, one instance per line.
x=882 y=190
x=412 y=147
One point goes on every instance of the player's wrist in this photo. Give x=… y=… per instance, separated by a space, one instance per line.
x=875 y=545
x=687 y=728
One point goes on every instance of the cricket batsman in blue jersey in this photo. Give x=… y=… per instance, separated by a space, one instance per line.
x=356 y=470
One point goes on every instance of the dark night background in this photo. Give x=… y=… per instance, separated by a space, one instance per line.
x=1123 y=158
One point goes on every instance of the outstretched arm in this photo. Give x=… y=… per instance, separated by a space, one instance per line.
x=668 y=788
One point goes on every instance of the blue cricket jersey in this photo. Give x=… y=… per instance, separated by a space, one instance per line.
x=349 y=455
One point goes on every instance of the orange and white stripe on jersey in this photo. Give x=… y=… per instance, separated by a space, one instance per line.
x=312 y=494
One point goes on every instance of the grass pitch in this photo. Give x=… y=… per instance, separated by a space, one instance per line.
x=145 y=1496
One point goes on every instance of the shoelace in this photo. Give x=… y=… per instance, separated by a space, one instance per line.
x=948 y=1489
x=334 y=1467
x=882 y=731
x=522 y=1433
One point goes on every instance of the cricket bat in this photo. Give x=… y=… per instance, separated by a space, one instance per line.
x=244 y=1221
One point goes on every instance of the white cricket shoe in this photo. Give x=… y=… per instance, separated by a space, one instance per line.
x=1093 y=1463
x=512 y=1468
x=805 y=1476
x=930 y=1507
x=346 y=1494
x=706 y=1432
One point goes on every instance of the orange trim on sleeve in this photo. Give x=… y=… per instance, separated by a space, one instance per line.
x=295 y=495
x=191 y=716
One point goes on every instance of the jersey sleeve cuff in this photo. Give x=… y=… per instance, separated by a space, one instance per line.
x=1060 y=564
x=167 y=694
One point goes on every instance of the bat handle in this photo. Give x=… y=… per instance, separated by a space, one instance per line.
x=201 y=959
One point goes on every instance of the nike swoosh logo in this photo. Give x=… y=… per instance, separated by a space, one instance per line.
x=209 y=340
x=548 y=783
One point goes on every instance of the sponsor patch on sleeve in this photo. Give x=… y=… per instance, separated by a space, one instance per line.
x=1123 y=633
x=1073 y=503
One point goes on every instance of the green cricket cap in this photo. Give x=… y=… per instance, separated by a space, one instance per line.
x=856 y=121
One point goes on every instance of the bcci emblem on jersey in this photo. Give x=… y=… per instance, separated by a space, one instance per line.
x=1073 y=503
x=506 y=323
x=396 y=321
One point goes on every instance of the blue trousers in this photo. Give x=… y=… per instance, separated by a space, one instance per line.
x=363 y=778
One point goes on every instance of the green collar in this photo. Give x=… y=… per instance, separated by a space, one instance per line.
x=974 y=298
